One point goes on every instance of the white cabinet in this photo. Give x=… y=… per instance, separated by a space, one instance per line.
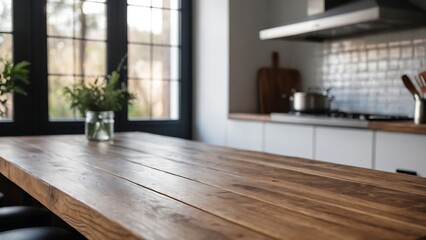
x=387 y=151
x=289 y=139
x=246 y=135
x=401 y=151
x=344 y=146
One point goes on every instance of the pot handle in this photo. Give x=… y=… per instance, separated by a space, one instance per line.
x=289 y=96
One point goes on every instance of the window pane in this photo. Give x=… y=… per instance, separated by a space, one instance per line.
x=70 y=57
x=61 y=56
x=145 y=3
x=140 y=107
x=6 y=45
x=160 y=103
x=139 y=61
x=94 y=61
x=5 y=15
x=139 y=24
x=62 y=1
x=6 y=52
x=165 y=63
x=7 y=109
x=59 y=107
x=173 y=4
x=165 y=26
x=60 y=18
x=174 y=100
x=80 y=19
x=156 y=28
x=91 y=22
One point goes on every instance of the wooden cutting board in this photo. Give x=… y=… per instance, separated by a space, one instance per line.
x=273 y=83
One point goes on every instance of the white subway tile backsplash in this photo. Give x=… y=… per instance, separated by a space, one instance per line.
x=407 y=52
x=394 y=53
x=372 y=54
x=365 y=73
x=419 y=51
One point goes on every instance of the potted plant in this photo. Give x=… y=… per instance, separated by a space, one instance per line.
x=98 y=101
x=10 y=78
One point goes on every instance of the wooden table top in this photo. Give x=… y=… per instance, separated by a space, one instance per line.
x=145 y=186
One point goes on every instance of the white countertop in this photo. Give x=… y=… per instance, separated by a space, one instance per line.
x=318 y=120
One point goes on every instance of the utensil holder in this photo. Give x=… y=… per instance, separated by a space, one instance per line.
x=420 y=111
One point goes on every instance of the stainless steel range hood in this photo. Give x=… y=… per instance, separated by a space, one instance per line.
x=354 y=18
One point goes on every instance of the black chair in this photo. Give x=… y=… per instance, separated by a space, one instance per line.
x=23 y=217
x=1 y=199
x=28 y=223
x=36 y=233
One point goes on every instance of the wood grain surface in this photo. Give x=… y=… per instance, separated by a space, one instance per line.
x=145 y=186
x=404 y=126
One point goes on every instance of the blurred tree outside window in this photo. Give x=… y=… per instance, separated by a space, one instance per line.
x=76 y=45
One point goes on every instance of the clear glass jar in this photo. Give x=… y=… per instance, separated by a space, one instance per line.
x=99 y=125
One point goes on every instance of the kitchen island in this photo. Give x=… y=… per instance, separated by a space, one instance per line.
x=145 y=186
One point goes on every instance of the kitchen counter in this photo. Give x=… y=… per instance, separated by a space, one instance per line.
x=145 y=186
x=392 y=126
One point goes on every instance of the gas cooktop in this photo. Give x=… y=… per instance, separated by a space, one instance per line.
x=335 y=118
x=354 y=115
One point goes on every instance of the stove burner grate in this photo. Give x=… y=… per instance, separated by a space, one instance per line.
x=353 y=115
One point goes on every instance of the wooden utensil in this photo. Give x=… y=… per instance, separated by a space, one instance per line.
x=410 y=86
x=422 y=77
x=421 y=84
x=275 y=82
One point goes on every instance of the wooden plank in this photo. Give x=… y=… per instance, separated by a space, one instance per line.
x=401 y=182
x=359 y=194
x=104 y=206
x=365 y=222
x=250 y=116
x=403 y=127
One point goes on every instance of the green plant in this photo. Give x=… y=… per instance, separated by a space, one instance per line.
x=102 y=95
x=10 y=79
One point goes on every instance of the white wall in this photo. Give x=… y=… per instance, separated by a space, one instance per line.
x=248 y=53
x=211 y=70
x=227 y=55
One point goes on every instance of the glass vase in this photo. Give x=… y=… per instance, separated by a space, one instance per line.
x=99 y=126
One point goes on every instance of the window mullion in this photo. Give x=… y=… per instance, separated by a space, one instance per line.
x=117 y=47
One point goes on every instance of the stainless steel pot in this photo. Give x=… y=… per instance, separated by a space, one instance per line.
x=310 y=101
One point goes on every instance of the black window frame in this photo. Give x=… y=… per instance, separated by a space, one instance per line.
x=30 y=43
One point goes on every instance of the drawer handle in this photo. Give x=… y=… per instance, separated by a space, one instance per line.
x=414 y=173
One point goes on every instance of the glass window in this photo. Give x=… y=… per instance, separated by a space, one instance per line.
x=153 y=58
x=6 y=52
x=76 y=44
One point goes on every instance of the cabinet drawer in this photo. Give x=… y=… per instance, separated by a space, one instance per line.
x=289 y=139
x=401 y=152
x=344 y=146
x=245 y=135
